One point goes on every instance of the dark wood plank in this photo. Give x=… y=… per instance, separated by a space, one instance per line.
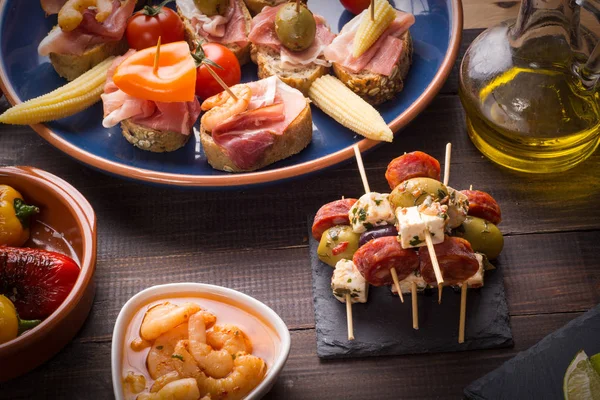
x=83 y=368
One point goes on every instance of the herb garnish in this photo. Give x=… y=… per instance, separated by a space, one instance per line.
x=415 y=241
x=177 y=356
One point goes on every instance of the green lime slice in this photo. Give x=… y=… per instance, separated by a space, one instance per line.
x=581 y=381
x=595 y=360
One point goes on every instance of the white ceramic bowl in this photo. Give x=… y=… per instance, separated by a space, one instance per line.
x=249 y=303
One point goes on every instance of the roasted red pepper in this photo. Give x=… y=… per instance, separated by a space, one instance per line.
x=36 y=281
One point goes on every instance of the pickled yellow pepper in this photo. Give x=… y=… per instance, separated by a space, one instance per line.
x=14 y=217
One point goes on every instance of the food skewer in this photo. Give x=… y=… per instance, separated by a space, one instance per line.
x=372 y=10
x=157 y=56
x=363 y=176
x=349 y=317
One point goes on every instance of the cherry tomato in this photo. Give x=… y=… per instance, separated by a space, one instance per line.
x=145 y=26
x=206 y=85
x=356 y=6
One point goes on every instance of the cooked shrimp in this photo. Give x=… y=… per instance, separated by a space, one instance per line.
x=164 y=380
x=164 y=317
x=159 y=360
x=229 y=338
x=215 y=363
x=222 y=106
x=248 y=371
x=184 y=363
x=182 y=389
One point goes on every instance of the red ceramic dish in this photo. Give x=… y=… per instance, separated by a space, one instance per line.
x=65 y=210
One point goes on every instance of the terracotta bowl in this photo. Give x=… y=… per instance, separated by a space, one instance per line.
x=66 y=224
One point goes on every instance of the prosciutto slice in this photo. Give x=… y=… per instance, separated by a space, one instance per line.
x=52 y=6
x=118 y=106
x=273 y=107
x=230 y=28
x=263 y=34
x=381 y=57
x=90 y=32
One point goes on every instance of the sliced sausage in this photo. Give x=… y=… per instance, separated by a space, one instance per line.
x=412 y=165
x=482 y=205
x=375 y=259
x=456 y=259
x=330 y=215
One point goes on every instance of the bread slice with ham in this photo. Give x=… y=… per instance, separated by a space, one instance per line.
x=74 y=52
x=276 y=124
x=379 y=73
x=297 y=69
x=231 y=30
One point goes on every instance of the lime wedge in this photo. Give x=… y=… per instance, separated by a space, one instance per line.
x=581 y=381
x=595 y=360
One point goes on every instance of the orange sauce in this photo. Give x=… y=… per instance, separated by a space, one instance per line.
x=265 y=341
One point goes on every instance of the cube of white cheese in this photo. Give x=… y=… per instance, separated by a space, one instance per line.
x=414 y=222
x=406 y=283
x=458 y=208
x=476 y=281
x=371 y=210
x=347 y=279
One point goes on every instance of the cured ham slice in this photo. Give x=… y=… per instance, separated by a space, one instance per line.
x=273 y=107
x=90 y=32
x=381 y=57
x=230 y=28
x=118 y=106
x=263 y=34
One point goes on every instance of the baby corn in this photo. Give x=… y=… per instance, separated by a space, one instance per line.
x=369 y=31
x=65 y=101
x=349 y=109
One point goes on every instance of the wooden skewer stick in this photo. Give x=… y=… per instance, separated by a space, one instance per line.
x=372 y=10
x=349 y=317
x=156 y=57
x=415 y=308
x=447 y=164
x=470 y=187
x=463 y=311
x=298 y=10
x=436 y=267
x=218 y=79
x=397 y=283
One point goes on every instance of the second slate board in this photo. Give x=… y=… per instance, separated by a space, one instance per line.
x=383 y=325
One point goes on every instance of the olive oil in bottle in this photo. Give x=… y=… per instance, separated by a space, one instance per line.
x=530 y=91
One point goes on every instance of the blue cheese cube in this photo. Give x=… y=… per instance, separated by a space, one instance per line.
x=347 y=279
x=414 y=222
x=371 y=210
x=406 y=283
x=458 y=208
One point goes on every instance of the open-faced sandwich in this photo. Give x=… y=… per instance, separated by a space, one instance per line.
x=372 y=57
x=226 y=22
x=288 y=41
x=156 y=107
x=268 y=122
x=88 y=32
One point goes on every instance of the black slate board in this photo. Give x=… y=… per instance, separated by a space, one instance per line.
x=383 y=325
x=538 y=372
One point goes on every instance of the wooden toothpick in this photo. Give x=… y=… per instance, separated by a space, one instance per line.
x=156 y=56
x=349 y=317
x=463 y=312
x=220 y=81
x=361 y=168
x=297 y=6
x=415 y=307
x=447 y=164
x=397 y=283
x=372 y=10
x=436 y=267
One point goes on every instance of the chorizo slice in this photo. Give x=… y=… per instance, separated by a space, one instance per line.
x=330 y=215
x=456 y=258
x=482 y=205
x=377 y=257
x=412 y=165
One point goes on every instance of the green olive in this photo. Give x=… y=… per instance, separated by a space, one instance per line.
x=484 y=236
x=335 y=238
x=413 y=192
x=295 y=29
x=212 y=7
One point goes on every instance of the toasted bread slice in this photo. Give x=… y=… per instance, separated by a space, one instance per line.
x=151 y=139
x=241 y=53
x=295 y=138
x=376 y=88
x=71 y=66
x=269 y=63
x=256 y=6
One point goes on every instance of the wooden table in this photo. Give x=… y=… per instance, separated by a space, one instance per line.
x=255 y=241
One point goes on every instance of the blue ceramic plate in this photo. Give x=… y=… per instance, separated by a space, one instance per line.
x=24 y=75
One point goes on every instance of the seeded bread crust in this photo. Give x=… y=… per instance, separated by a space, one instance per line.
x=242 y=53
x=269 y=63
x=256 y=6
x=71 y=66
x=151 y=139
x=376 y=88
x=295 y=138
